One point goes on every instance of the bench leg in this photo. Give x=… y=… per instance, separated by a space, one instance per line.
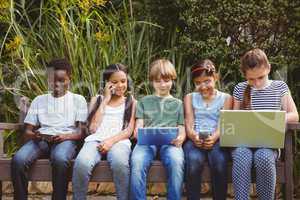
x=289 y=184
x=0 y=190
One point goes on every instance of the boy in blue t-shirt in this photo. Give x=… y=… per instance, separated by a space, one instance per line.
x=53 y=125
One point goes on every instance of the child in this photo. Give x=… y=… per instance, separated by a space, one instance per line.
x=257 y=93
x=111 y=122
x=59 y=113
x=202 y=111
x=159 y=110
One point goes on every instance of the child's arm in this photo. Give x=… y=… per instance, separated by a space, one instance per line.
x=97 y=118
x=139 y=123
x=30 y=132
x=124 y=134
x=289 y=106
x=211 y=140
x=180 y=138
x=189 y=121
x=78 y=135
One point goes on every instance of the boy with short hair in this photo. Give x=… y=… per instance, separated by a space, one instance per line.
x=59 y=115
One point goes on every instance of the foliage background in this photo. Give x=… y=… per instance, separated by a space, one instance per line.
x=94 y=33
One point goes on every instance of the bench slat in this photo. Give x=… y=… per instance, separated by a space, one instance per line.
x=41 y=171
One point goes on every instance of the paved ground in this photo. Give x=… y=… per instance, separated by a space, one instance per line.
x=90 y=197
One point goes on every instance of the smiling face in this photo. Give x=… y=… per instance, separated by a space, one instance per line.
x=58 y=81
x=257 y=77
x=205 y=85
x=119 y=81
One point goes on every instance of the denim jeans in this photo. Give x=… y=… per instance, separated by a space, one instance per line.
x=217 y=160
x=89 y=156
x=173 y=160
x=60 y=156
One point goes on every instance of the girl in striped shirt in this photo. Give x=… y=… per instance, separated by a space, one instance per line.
x=258 y=93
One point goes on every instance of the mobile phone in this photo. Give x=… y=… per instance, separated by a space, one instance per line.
x=113 y=91
x=46 y=137
x=204 y=135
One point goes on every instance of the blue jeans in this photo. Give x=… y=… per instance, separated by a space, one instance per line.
x=217 y=160
x=173 y=160
x=60 y=156
x=89 y=156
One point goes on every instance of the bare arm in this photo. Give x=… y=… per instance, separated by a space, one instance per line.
x=289 y=106
x=211 y=140
x=139 y=123
x=189 y=117
x=98 y=116
x=30 y=132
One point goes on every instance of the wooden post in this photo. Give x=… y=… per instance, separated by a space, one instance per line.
x=289 y=184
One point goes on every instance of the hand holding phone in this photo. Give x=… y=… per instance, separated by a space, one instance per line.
x=204 y=135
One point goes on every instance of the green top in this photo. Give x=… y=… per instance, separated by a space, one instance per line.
x=160 y=111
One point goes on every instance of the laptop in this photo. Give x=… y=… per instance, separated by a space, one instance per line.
x=156 y=135
x=252 y=128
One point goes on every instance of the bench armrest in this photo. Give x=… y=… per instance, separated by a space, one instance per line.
x=293 y=126
x=7 y=126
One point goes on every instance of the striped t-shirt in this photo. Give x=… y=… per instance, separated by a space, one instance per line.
x=268 y=98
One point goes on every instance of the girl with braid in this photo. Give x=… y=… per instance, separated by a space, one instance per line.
x=258 y=93
x=110 y=123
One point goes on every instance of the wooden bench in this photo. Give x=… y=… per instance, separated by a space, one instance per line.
x=41 y=170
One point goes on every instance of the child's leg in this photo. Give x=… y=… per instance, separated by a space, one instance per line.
x=84 y=164
x=172 y=158
x=241 y=172
x=141 y=158
x=21 y=162
x=118 y=157
x=194 y=160
x=218 y=160
x=60 y=157
x=265 y=165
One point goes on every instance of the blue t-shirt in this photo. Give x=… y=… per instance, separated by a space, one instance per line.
x=206 y=116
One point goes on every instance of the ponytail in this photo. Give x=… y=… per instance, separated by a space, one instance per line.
x=246 y=104
x=127 y=111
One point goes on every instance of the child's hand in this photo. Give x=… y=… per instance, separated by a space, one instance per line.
x=108 y=91
x=178 y=141
x=36 y=136
x=198 y=142
x=93 y=128
x=209 y=142
x=105 y=146
x=60 y=138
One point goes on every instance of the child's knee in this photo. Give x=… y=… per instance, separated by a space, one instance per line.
x=264 y=158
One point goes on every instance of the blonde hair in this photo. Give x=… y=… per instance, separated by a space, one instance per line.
x=162 y=68
x=252 y=59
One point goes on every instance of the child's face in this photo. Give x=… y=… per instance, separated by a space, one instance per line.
x=205 y=85
x=119 y=81
x=162 y=86
x=58 y=81
x=257 y=77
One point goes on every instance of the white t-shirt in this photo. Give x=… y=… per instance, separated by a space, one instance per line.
x=57 y=115
x=111 y=124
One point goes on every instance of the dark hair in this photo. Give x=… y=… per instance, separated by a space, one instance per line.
x=60 y=64
x=203 y=68
x=250 y=60
x=110 y=69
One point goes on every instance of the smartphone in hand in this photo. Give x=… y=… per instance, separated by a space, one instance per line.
x=204 y=135
x=46 y=137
